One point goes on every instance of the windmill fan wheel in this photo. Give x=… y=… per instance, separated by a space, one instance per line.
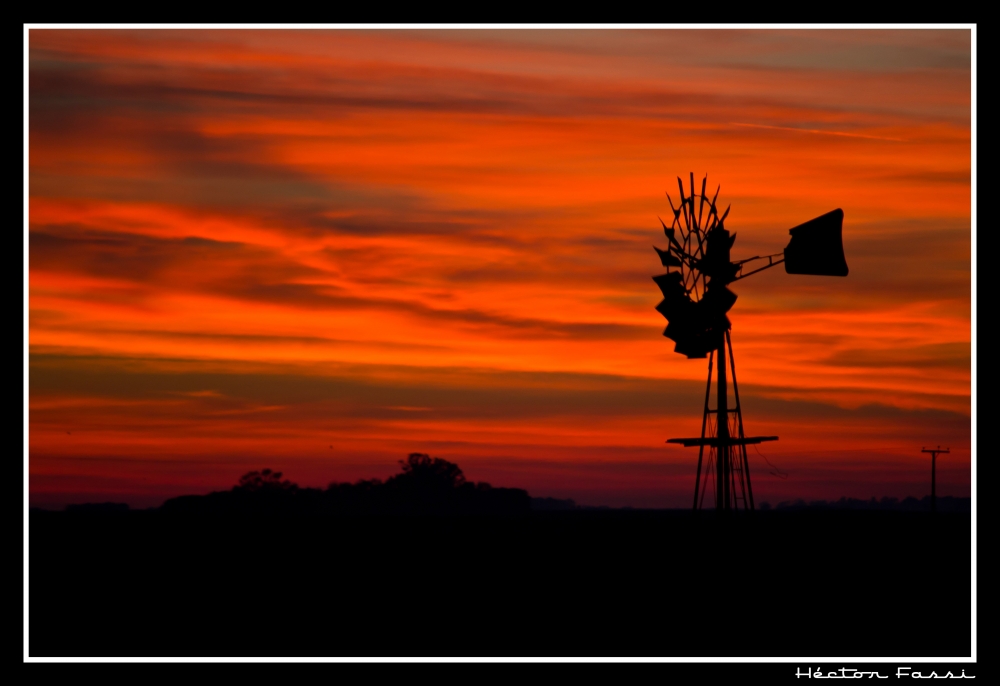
x=695 y=294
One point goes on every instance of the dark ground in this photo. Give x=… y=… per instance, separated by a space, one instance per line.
x=575 y=583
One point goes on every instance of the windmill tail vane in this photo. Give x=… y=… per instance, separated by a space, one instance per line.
x=696 y=302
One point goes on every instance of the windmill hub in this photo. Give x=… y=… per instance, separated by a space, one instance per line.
x=696 y=300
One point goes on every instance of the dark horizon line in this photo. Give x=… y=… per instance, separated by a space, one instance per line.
x=548 y=504
x=436 y=483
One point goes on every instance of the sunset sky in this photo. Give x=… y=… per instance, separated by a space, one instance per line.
x=320 y=250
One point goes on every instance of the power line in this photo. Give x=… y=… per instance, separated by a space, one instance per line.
x=774 y=470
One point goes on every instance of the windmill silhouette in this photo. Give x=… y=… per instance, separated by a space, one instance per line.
x=695 y=301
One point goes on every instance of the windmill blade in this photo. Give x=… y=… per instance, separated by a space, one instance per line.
x=693 y=217
x=701 y=202
x=676 y=212
x=725 y=214
x=666 y=258
x=684 y=203
x=667 y=231
x=713 y=214
x=672 y=308
x=719 y=300
x=670 y=284
x=713 y=210
x=690 y=343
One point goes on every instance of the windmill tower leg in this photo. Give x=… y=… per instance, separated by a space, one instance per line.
x=723 y=463
x=741 y=450
x=704 y=425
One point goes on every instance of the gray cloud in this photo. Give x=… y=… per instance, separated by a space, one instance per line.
x=953 y=355
x=379 y=392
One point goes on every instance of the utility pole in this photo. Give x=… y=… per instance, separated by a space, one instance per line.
x=934 y=453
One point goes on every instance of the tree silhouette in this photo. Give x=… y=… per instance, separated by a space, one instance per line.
x=264 y=480
x=424 y=471
x=424 y=485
